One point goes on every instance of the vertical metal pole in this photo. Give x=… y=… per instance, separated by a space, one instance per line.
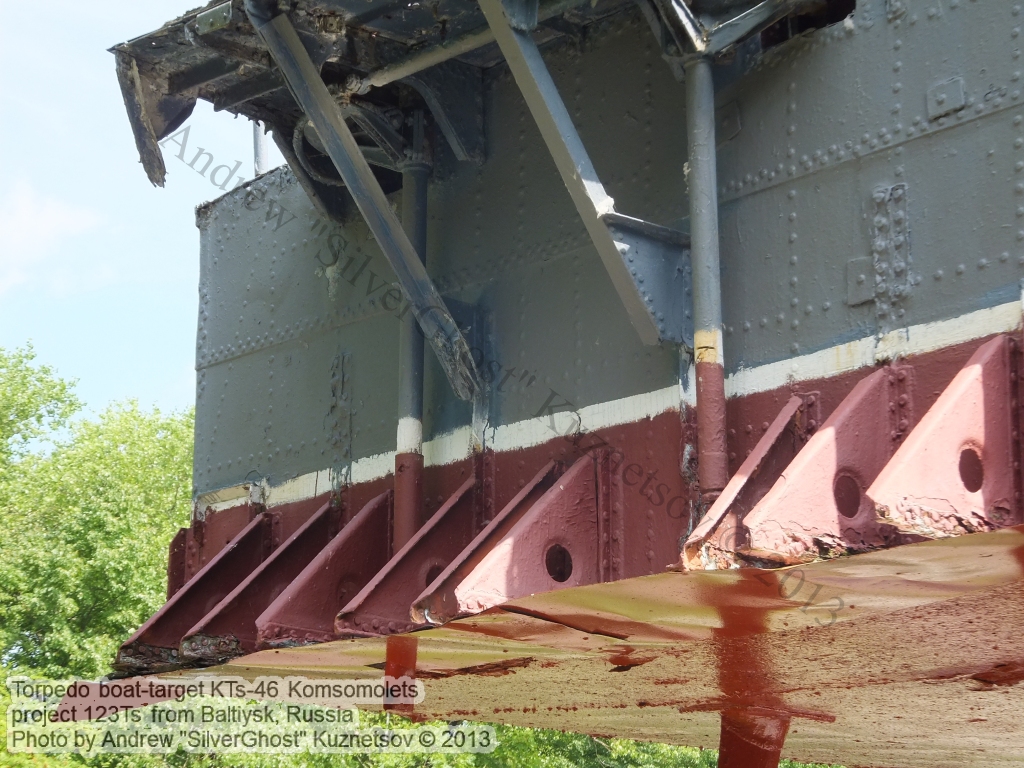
x=409 y=456
x=702 y=182
x=260 y=152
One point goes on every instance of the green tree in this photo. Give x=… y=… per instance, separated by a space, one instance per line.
x=33 y=403
x=83 y=544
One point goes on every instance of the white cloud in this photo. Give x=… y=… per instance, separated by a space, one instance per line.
x=37 y=240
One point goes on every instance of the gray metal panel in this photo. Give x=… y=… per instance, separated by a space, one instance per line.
x=827 y=121
x=832 y=118
x=275 y=326
x=504 y=236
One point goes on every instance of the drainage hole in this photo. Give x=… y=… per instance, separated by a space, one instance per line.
x=847 y=495
x=972 y=473
x=558 y=562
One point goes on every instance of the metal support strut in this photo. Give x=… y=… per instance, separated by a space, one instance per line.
x=313 y=97
x=409 y=455
x=702 y=183
x=647 y=263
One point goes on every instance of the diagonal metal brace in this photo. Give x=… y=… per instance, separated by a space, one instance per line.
x=315 y=99
x=648 y=264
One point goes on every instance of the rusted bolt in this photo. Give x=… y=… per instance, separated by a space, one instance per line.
x=812 y=424
x=811 y=400
x=748 y=429
x=904 y=424
x=764 y=425
x=903 y=399
x=893 y=435
x=902 y=375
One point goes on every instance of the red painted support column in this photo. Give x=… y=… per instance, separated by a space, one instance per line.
x=702 y=184
x=400 y=661
x=750 y=740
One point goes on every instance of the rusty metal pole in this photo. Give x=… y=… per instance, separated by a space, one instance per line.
x=409 y=456
x=702 y=183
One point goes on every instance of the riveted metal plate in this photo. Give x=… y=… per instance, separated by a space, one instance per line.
x=213 y=19
x=727 y=122
x=860 y=283
x=946 y=97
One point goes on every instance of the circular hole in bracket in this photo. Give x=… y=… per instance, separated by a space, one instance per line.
x=972 y=473
x=558 y=561
x=846 y=492
x=433 y=572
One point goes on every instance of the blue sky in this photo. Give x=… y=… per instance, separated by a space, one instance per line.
x=99 y=269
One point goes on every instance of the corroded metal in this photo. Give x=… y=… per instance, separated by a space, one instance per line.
x=959 y=470
x=818 y=507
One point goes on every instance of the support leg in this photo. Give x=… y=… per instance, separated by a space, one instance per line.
x=713 y=463
x=750 y=740
x=409 y=456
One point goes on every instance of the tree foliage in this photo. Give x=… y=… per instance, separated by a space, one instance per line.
x=83 y=550
x=33 y=402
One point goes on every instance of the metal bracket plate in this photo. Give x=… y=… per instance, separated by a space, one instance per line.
x=658 y=260
x=454 y=91
x=213 y=19
x=946 y=97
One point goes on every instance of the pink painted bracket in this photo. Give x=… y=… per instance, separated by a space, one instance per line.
x=230 y=628
x=959 y=470
x=382 y=607
x=714 y=542
x=547 y=538
x=304 y=612
x=155 y=646
x=818 y=508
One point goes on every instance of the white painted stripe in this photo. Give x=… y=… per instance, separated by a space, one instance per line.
x=410 y=435
x=448 y=448
x=538 y=430
x=229 y=496
x=867 y=351
x=827 y=362
x=372 y=467
x=299 y=488
x=458 y=444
